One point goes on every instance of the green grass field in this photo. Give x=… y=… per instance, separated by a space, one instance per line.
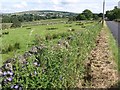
x=26 y=35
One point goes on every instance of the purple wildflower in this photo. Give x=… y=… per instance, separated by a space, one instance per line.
x=16 y=86
x=5 y=73
x=9 y=79
x=10 y=73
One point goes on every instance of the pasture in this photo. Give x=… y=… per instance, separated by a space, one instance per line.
x=57 y=57
x=24 y=36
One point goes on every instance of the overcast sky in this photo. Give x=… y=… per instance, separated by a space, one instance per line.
x=10 y=6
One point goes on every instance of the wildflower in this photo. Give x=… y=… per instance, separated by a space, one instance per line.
x=4 y=73
x=9 y=79
x=10 y=73
x=16 y=86
x=35 y=63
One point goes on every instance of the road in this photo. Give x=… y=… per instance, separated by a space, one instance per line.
x=114 y=27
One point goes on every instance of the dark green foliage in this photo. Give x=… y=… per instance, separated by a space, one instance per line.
x=53 y=28
x=95 y=17
x=85 y=15
x=6 y=19
x=113 y=14
x=72 y=18
x=17 y=45
x=88 y=14
x=28 y=17
x=5 y=33
x=100 y=15
x=10 y=48
x=28 y=28
x=81 y=17
x=15 y=21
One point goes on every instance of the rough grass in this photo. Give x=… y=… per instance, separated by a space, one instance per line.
x=25 y=36
x=114 y=47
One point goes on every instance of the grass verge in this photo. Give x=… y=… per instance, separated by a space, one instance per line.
x=113 y=45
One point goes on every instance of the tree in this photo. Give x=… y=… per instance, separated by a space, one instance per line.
x=88 y=14
x=113 y=14
x=95 y=17
x=85 y=15
x=81 y=17
x=16 y=22
x=72 y=18
x=100 y=14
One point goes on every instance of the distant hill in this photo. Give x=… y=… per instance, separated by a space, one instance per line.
x=35 y=15
x=44 y=13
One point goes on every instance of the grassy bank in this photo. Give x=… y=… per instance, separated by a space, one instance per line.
x=115 y=51
x=113 y=46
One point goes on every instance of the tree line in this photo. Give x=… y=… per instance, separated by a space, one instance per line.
x=86 y=15
x=113 y=14
x=16 y=20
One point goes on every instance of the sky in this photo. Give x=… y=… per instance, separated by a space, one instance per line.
x=77 y=6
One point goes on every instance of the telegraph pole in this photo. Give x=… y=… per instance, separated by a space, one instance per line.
x=103 y=12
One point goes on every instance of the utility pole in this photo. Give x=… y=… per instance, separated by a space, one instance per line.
x=103 y=12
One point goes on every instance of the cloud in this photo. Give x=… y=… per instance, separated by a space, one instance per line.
x=21 y=5
x=62 y=5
